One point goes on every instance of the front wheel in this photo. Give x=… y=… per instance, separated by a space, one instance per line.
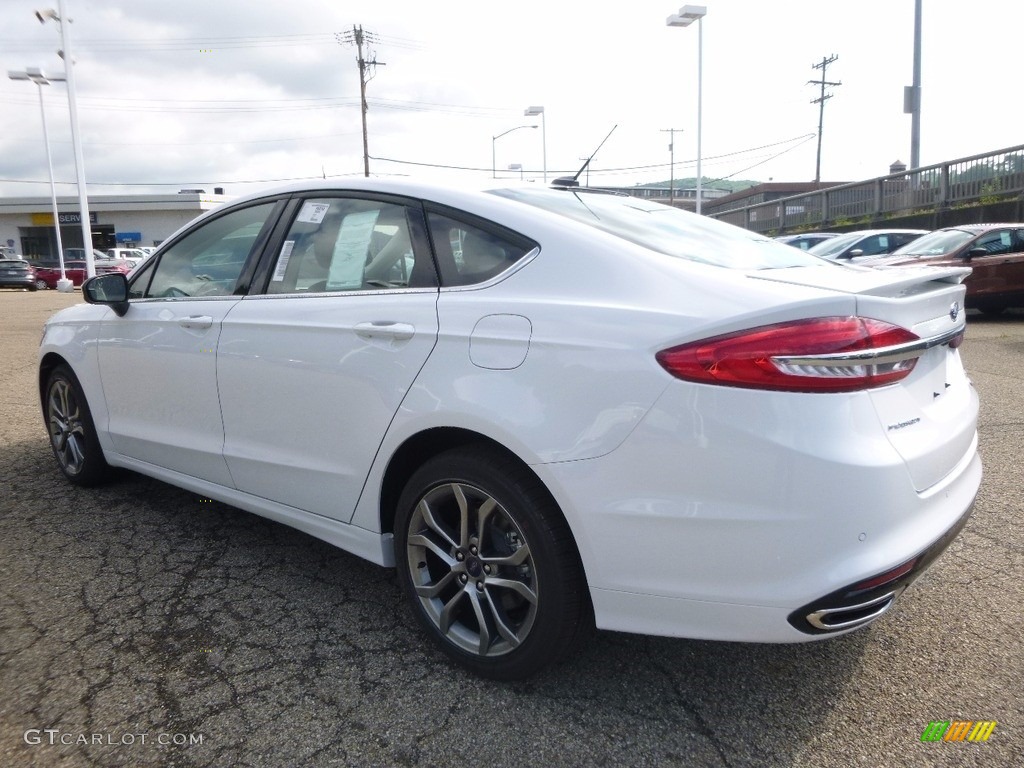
x=489 y=564
x=72 y=433
x=41 y=285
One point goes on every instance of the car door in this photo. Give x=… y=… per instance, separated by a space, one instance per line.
x=158 y=363
x=312 y=371
x=998 y=275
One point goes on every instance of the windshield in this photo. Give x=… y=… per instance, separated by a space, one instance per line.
x=935 y=243
x=829 y=248
x=666 y=230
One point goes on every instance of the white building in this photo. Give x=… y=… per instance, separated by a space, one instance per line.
x=26 y=223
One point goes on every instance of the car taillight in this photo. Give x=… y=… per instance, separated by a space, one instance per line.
x=825 y=354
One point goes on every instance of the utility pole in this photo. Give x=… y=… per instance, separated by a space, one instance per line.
x=672 y=163
x=820 y=101
x=358 y=38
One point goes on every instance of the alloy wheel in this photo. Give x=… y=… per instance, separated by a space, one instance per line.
x=472 y=570
x=67 y=430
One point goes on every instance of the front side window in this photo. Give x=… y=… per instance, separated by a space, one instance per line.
x=208 y=261
x=875 y=245
x=997 y=242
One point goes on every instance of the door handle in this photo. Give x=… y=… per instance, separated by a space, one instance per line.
x=197 y=322
x=383 y=329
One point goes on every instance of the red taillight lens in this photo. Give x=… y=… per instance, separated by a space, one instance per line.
x=762 y=358
x=884 y=578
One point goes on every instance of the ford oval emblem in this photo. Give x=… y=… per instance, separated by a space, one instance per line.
x=954 y=311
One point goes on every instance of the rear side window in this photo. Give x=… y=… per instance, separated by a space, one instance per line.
x=468 y=254
x=338 y=244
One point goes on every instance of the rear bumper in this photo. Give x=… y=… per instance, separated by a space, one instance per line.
x=721 y=517
x=858 y=604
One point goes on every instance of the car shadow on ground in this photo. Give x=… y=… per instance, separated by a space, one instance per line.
x=181 y=614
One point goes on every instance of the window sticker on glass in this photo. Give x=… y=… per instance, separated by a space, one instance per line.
x=282 y=261
x=350 y=251
x=313 y=213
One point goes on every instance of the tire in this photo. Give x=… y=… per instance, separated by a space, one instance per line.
x=992 y=311
x=489 y=565
x=72 y=432
x=33 y=288
x=41 y=285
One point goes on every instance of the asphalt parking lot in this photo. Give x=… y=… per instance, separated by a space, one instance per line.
x=142 y=626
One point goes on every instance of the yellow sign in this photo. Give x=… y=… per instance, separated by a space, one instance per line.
x=42 y=219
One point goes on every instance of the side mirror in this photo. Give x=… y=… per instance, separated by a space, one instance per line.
x=975 y=252
x=854 y=253
x=110 y=289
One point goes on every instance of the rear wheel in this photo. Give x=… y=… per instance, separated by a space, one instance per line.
x=489 y=565
x=72 y=434
x=41 y=285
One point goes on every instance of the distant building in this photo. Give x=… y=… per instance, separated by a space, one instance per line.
x=26 y=223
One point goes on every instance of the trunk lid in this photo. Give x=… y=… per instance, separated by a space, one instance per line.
x=930 y=417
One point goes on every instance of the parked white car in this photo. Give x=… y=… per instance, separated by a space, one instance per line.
x=546 y=407
x=133 y=256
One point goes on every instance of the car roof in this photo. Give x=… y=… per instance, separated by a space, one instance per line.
x=975 y=228
x=889 y=231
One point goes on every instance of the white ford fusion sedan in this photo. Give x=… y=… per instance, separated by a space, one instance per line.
x=548 y=408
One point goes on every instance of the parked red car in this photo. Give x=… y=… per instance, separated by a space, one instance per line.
x=47 y=276
x=994 y=251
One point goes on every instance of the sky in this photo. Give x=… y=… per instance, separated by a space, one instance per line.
x=197 y=94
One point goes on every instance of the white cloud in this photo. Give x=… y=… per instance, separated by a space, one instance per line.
x=227 y=92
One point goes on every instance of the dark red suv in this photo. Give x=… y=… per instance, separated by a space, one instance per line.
x=994 y=251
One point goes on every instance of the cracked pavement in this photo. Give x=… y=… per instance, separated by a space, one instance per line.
x=143 y=626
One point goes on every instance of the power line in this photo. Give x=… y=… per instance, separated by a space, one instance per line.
x=209 y=43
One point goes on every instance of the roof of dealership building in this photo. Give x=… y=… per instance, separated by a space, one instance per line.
x=196 y=200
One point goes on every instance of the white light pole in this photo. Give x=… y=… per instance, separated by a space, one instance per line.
x=38 y=77
x=494 y=171
x=686 y=16
x=912 y=96
x=533 y=112
x=69 y=67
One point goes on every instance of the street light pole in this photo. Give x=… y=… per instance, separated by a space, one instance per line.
x=672 y=163
x=37 y=76
x=494 y=170
x=533 y=112
x=69 y=67
x=686 y=16
x=915 y=94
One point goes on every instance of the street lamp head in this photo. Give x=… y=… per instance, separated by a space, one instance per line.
x=534 y=111
x=36 y=75
x=45 y=15
x=687 y=15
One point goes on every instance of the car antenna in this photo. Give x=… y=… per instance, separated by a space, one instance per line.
x=566 y=181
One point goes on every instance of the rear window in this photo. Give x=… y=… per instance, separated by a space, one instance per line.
x=666 y=230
